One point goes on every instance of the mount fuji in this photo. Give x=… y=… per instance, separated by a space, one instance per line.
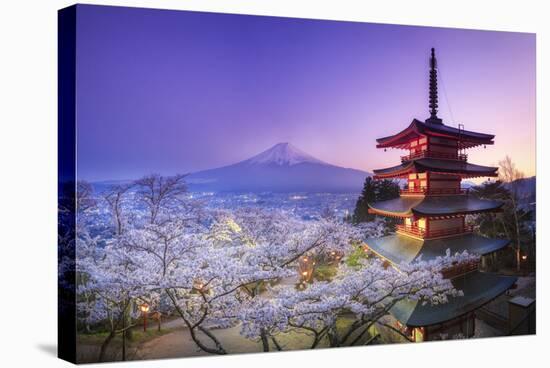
x=282 y=168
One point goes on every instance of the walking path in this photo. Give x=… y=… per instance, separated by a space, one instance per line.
x=179 y=344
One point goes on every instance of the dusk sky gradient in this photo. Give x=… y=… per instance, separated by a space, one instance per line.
x=175 y=92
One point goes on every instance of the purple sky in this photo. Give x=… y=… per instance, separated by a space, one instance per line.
x=174 y=92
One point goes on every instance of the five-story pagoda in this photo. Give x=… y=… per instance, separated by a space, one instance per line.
x=433 y=207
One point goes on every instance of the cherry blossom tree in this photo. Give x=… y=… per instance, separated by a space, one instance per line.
x=219 y=268
x=367 y=293
x=115 y=199
x=158 y=193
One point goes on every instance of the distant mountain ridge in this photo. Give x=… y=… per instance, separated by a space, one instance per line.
x=281 y=168
x=526 y=189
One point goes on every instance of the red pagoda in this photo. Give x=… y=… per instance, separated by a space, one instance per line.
x=433 y=207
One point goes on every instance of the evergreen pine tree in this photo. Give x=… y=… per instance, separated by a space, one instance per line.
x=373 y=191
x=361 y=214
x=387 y=189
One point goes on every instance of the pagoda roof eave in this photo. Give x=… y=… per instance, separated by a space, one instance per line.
x=479 y=288
x=398 y=207
x=395 y=171
x=455 y=205
x=434 y=206
x=417 y=129
x=401 y=138
x=399 y=248
x=442 y=166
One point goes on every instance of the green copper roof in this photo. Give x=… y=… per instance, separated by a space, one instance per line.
x=404 y=249
x=421 y=165
x=479 y=288
x=443 y=205
x=434 y=205
x=401 y=206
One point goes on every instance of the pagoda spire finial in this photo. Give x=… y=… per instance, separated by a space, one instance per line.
x=433 y=91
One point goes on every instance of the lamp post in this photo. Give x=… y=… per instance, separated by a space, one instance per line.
x=305 y=269
x=335 y=257
x=144 y=309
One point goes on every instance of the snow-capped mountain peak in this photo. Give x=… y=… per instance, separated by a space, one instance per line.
x=282 y=168
x=282 y=154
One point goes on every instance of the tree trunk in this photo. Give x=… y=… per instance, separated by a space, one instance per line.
x=128 y=319
x=333 y=338
x=217 y=350
x=360 y=335
x=518 y=243
x=265 y=341
x=276 y=343
x=104 y=345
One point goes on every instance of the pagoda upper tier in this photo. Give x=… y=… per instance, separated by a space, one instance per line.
x=433 y=206
x=417 y=130
x=458 y=168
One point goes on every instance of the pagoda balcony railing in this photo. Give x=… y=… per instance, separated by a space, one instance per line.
x=433 y=191
x=432 y=154
x=419 y=191
x=411 y=230
x=459 y=269
x=433 y=233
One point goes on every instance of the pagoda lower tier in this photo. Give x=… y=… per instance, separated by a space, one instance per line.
x=398 y=248
x=449 y=205
x=424 y=322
